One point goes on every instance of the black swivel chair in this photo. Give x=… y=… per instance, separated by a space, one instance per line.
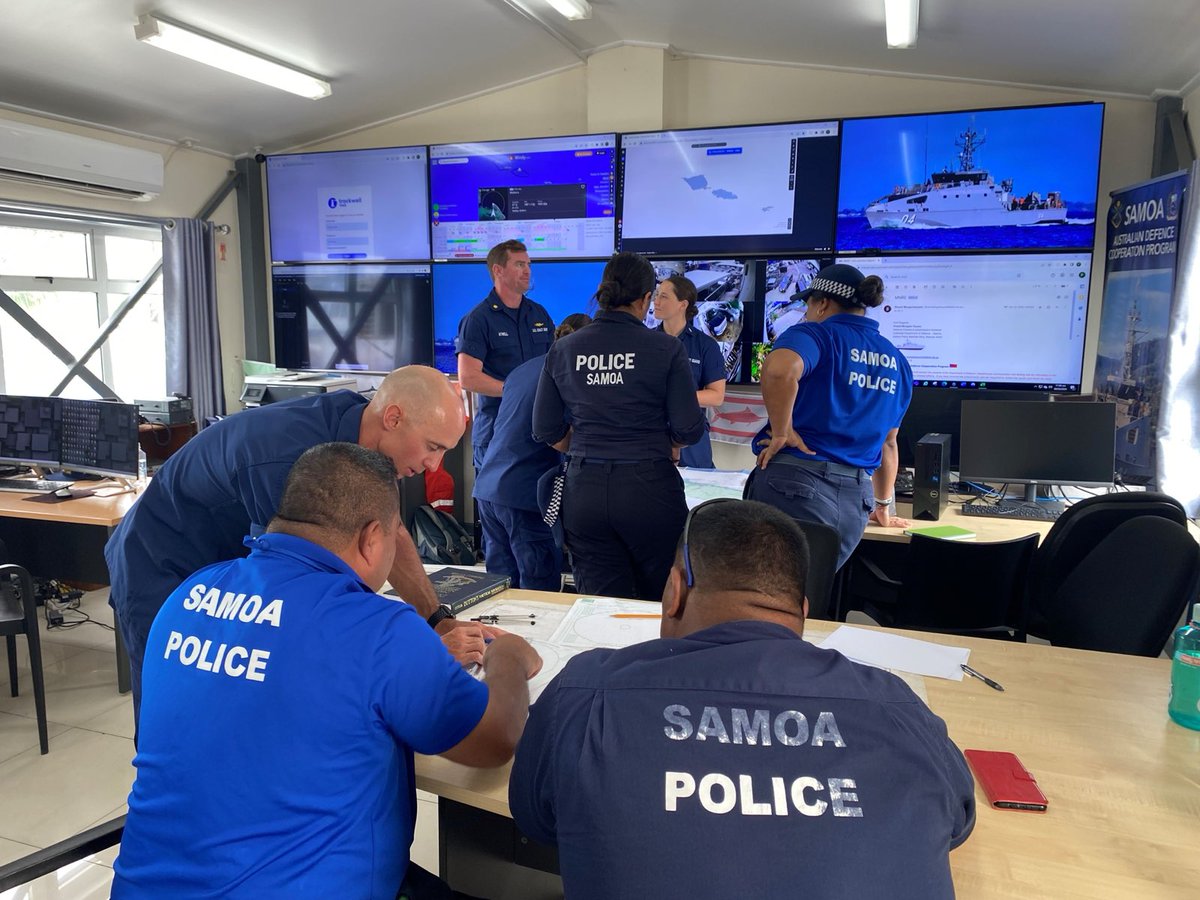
x=1115 y=573
x=959 y=587
x=18 y=615
x=822 y=585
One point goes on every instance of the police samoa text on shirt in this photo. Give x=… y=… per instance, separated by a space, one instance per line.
x=719 y=793
x=605 y=368
x=876 y=360
x=233 y=661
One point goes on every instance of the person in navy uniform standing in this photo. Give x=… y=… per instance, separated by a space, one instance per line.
x=675 y=309
x=618 y=397
x=835 y=391
x=518 y=543
x=732 y=734
x=503 y=331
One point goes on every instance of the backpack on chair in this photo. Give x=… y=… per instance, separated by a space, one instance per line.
x=441 y=539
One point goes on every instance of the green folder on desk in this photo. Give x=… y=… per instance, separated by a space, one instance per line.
x=945 y=532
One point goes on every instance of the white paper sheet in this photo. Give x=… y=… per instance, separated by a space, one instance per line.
x=892 y=651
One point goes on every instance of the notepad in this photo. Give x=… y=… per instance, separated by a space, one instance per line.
x=945 y=532
x=894 y=651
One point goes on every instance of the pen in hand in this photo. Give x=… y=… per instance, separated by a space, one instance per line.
x=992 y=684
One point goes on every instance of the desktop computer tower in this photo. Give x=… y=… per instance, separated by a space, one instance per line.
x=931 y=476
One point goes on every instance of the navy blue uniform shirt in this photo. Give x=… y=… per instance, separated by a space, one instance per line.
x=740 y=761
x=515 y=461
x=502 y=339
x=708 y=366
x=628 y=391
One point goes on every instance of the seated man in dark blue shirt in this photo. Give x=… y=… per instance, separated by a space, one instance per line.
x=731 y=758
x=284 y=699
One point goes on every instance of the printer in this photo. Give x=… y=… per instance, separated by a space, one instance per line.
x=262 y=389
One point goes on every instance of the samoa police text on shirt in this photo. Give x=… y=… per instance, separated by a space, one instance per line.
x=855 y=388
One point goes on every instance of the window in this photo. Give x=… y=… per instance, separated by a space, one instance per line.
x=69 y=277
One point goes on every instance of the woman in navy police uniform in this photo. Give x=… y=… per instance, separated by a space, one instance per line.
x=835 y=391
x=618 y=397
x=675 y=308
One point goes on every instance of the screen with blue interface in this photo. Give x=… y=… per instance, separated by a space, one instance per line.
x=348 y=205
x=352 y=318
x=972 y=321
x=557 y=195
x=1001 y=179
x=740 y=190
x=561 y=287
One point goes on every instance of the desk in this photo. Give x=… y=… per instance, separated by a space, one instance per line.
x=1124 y=816
x=986 y=528
x=66 y=540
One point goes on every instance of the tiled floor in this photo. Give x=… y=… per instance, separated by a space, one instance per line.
x=85 y=778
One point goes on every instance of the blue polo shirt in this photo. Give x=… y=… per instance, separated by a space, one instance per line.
x=708 y=365
x=514 y=460
x=626 y=390
x=502 y=339
x=740 y=761
x=855 y=388
x=282 y=704
x=223 y=484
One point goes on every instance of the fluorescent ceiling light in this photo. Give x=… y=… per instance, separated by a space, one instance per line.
x=572 y=9
x=215 y=52
x=901 y=19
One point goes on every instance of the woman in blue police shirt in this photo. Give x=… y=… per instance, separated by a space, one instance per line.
x=628 y=394
x=835 y=391
x=675 y=308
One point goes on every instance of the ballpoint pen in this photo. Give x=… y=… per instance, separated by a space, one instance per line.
x=981 y=677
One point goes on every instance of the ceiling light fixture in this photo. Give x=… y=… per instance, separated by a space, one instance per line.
x=221 y=55
x=572 y=9
x=900 y=17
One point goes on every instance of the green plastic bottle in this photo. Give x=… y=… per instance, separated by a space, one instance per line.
x=1184 y=704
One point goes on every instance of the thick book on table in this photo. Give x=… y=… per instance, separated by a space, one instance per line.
x=463 y=588
x=945 y=532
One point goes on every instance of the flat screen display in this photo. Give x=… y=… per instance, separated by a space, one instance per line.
x=940 y=412
x=359 y=318
x=782 y=280
x=348 y=205
x=1015 y=321
x=30 y=430
x=1000 y=179
x=740 y=190
x=557 y=195
x=562 y=288
x=99 y=436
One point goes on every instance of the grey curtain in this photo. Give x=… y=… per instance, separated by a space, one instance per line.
x=190 y=316
x=1179 y=424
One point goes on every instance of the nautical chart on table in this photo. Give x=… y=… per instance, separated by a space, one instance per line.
x=607 y=622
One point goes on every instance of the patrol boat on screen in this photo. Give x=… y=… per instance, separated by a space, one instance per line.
x=969 y=197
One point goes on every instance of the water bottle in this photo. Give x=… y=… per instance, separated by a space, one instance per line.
x=141 y=478
x=1184 y=704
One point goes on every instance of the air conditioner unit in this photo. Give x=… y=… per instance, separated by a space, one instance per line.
x=70 y=162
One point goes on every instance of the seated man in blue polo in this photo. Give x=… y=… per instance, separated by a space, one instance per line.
x=283 y=700
x=731 y=758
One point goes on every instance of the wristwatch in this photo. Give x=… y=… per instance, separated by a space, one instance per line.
x=439 y=615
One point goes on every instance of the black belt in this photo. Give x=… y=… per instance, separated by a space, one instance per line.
x=820 y=465
x=578 y=461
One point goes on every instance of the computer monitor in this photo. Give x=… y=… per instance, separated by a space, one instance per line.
x=1038 y=443
x=30 y=430
x=348 y=205
x=745 y=189
x=352 y=318
x=100 y=437
x=556 y=194
x=939 y=411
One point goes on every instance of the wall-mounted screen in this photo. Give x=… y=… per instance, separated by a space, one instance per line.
x=974 y=321
x=30 y=430
x=360 y=318
x=561 y=287
x=348 y=205
x=740 y=190
x=558 y=195
x=1000 y=179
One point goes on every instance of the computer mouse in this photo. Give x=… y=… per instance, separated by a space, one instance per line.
x=64 y=493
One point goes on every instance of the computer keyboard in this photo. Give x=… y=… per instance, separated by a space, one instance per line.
x=31 y=485
x=1015 y=509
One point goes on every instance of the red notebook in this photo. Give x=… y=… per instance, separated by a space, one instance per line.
x=1007 y=783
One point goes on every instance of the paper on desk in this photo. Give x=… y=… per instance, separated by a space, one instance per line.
x=891 y=651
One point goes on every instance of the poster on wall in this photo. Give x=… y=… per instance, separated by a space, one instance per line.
x=1139 y=284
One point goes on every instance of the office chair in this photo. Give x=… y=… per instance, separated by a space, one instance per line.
x=959 y=587
x=1127 y=594
x=18 y=615
x=822 y=586
x=1077 y=531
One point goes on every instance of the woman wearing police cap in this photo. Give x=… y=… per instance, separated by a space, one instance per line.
x=835 y=391
x=618 y=397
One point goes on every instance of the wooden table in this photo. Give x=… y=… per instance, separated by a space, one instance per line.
x=1123 y=781
x=66 y=540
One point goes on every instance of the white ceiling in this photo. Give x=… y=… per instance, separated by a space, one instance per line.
x=78 y=59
